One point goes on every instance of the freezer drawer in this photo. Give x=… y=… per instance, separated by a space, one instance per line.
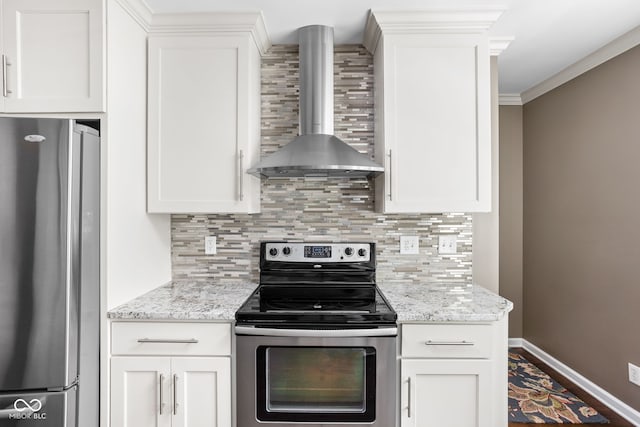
x=48 y=409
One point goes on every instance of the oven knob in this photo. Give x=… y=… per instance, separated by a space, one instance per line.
x=348 y=251
x=362 y=252
x=273 y=251
x=286 y=250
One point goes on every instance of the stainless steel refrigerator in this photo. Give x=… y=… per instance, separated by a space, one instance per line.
x=49 y=273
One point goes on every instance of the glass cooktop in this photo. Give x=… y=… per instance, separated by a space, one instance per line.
x=307 y=305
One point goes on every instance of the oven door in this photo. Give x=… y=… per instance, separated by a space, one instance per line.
x=316 y=377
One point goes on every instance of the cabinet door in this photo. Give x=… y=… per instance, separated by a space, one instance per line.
x=434 y=130
x=54 y=55
x=201 y=391
x=140 y=392
x=442 y=393
x=201 y=124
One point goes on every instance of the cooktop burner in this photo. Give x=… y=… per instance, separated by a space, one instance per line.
x=310 y=285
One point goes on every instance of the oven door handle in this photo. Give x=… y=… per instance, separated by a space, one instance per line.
x=317 y=333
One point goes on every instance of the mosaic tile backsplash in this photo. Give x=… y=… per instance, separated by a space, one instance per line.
x=319 y=209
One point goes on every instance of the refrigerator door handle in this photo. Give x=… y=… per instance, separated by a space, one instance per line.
x=73 y=237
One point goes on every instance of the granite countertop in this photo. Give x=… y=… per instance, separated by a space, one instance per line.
x=445 y=303
x=190 y=300
x=186 y=300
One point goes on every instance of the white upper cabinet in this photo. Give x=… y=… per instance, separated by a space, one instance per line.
x=204 y=113
x=433 y=110
x=52 y=56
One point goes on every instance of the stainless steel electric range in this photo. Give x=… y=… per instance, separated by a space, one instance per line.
x=316 y=341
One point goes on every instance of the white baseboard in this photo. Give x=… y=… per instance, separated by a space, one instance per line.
x=515 y=342
x=617 y=405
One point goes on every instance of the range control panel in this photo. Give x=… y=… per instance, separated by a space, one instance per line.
x=317 y=252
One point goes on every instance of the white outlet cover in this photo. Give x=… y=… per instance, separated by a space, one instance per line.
x=409 y=245
x=210 y=245
x=634 y=374
x=448 y=244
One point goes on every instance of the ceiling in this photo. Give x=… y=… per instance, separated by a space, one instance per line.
x=549 y=35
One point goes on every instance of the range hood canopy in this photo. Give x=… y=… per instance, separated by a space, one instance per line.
x=316 y=152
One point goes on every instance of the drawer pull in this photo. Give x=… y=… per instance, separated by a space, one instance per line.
x=167 y=341
x=429 y=342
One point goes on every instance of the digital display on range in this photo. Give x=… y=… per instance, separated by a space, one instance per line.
x=317 y=251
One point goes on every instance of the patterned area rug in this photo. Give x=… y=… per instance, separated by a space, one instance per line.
x=536 y=398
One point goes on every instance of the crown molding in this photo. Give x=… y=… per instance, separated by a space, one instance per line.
x=372 y=33
x=616 y=47
x=435 y=21
x=219 y=22
x=509 y=99
x=498 y=44
x=139 y=10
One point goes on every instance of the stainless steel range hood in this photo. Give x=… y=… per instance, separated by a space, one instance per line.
x=316 y=152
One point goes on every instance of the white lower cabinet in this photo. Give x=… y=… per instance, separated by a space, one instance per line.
x=446 y=393
x=453 y=374
x=170 y=374
x=170 y=391
x=202 y=391
x=138 y=385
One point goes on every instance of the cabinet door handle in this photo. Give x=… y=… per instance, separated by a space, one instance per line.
x=161 y=392
x=409 y=397
x=390 y=176
x=167 y=341
x=241 y=178
x=175 y=394
x=429 y=342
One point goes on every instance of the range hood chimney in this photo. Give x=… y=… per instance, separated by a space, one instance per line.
x=316 y=151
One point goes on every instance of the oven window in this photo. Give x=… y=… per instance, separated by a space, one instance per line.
x=319 y=379
x=316 y=384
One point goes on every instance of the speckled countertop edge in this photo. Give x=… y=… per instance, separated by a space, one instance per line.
x=186 y=300
x=191 y=300
x=445 y=303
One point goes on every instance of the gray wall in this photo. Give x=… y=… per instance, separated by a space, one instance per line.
x=581 y=231
x=511 y=213
x=319 y=209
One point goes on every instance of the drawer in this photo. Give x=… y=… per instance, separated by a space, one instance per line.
x=447 y=341
x=171 y=338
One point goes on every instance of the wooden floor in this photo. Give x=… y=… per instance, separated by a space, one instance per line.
x=615 y=419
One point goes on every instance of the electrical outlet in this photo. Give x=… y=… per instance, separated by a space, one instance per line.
x=448 y=244
x=409 y=245
x=210 y=245
x=634 y=374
